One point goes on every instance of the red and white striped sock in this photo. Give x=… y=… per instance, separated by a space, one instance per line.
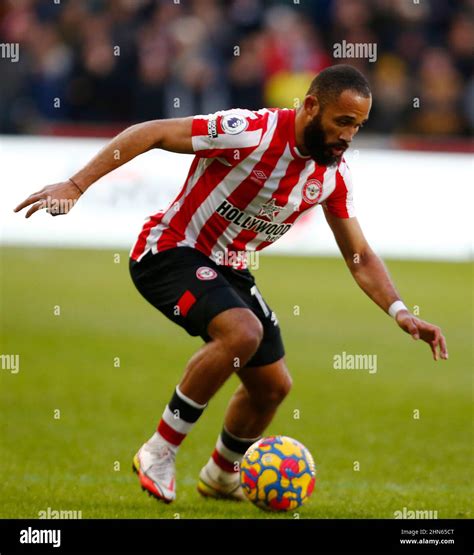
x=224 y=464
x=177 y=420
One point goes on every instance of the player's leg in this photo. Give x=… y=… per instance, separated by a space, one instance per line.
x=233 y=333
x=265 y=383
x=235 y=337
x=254 y=404
x=250 y=411
x=236 y=334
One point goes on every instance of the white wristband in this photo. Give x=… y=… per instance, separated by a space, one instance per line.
x=395 y=307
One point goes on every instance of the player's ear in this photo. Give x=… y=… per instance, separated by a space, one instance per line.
x=311 y=106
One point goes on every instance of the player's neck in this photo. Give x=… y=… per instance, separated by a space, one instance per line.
x=300 y=123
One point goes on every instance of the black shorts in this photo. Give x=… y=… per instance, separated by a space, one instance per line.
x=190 y=289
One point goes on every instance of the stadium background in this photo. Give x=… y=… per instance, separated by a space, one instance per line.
x=92 y=349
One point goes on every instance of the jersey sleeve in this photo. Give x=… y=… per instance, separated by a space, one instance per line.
x=340 y=202
x=223 y=133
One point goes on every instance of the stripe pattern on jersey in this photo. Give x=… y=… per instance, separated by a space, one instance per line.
x=245 y=188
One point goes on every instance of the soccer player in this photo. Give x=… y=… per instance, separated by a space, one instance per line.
x=254 y=173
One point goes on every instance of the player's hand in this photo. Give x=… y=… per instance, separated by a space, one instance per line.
x=419 y=329
x=56 y=199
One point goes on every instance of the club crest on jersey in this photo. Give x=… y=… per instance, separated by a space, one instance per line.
x=233 y=124
x=312 y=191
x=205 y=273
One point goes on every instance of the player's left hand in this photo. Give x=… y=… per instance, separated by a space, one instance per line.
x=419 y=329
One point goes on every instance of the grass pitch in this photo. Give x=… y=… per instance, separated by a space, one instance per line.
x=91 y=348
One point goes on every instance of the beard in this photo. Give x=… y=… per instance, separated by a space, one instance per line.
x=315 y=143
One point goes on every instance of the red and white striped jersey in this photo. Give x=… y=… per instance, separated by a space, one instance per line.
x=246 y=187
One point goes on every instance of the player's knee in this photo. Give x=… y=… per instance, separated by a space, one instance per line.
x=246 y=336
x=239 y=332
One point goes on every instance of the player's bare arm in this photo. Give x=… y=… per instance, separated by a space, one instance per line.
x=173 y=135
x=373 y=278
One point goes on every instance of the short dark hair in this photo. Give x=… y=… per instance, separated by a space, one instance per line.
x=334 y=80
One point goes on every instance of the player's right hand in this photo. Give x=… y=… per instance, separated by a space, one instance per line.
x=56 y=199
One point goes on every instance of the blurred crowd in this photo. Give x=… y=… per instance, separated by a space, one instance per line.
x=121 y=61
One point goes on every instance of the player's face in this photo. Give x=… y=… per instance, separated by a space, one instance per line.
x=328 y=135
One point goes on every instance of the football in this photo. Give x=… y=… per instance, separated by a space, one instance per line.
x=278 y=473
